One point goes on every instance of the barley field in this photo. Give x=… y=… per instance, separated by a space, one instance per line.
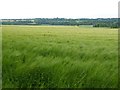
x=0 y=57
x=59 y=57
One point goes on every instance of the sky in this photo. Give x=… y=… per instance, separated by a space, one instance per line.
x=20 y=9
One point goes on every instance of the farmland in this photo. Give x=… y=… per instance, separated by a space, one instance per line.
x=59 y=57
x=0 y=57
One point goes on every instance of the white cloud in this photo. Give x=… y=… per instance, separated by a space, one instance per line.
x=58 y=8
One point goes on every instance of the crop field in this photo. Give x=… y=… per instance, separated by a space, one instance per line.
x=59 y=57
x=0 y=57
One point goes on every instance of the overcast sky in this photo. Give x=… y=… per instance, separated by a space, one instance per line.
x=58 y=8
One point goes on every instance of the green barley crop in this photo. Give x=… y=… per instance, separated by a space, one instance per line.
x=59 y=57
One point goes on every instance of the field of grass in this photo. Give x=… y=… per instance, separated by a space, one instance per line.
x=59 y=57
x=0 y=57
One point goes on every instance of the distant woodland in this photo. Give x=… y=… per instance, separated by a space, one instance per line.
x=99 y=22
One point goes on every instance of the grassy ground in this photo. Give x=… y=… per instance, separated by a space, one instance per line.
x=0 y=57
x=60 y=56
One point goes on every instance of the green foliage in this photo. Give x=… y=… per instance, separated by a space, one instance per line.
x=59 y=56
x=99 y=22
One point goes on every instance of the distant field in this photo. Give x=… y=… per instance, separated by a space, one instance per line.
x=60 y=57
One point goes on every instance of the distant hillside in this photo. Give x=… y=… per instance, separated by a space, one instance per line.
x=99 y=22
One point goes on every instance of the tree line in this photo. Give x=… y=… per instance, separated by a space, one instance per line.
x=99 y=22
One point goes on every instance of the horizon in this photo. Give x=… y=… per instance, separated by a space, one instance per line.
x=59 y=18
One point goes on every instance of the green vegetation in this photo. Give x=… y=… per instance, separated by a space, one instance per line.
x=99 y=22
x=0 y=57
x=59 y=56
